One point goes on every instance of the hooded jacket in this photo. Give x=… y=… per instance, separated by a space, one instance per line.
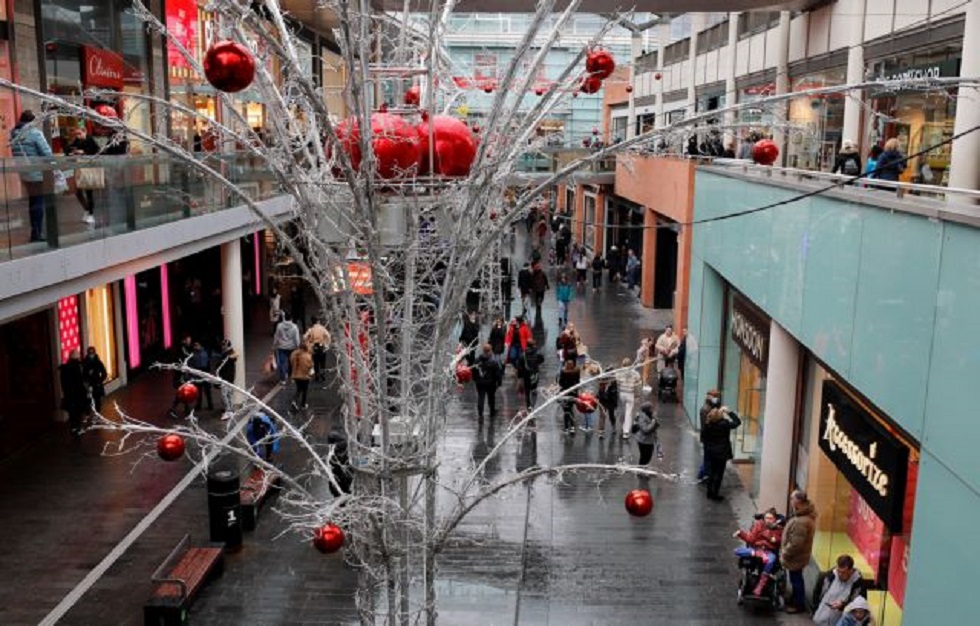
x=28 y=141
x=849 y=619
x=286 y=337
x=646 y=428
x=831 y=589
x=798 y=538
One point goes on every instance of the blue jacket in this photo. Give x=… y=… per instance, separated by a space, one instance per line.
x=891 y=164
x=29 y=141
x=564 y=293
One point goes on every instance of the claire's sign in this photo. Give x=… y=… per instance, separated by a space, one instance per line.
x=102 y=68
x=873 y=460
x=750 y=331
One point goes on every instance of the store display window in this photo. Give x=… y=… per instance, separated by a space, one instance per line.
x=100 y=327
x=815 y=137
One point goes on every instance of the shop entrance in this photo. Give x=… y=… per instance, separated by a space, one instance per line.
x=665 y=268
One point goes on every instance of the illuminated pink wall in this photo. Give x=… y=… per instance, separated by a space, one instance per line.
x=132 y=321
x=168 y=339
x=68 y=328
x=258 y=262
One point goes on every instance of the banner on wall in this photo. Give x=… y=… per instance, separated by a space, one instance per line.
x=182 y=26
x=874 y=462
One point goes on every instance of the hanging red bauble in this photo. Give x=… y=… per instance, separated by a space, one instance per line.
x=575 y=94
x=395 y=144
x=488 y=87
x=328 y=538
x=586 y=142
x=170 y=447
x=629 y=88
x=600 y=63
x=639 y=502
x=586 y=402
x=229 y=66
x=455 y=146
x=106 y=110
x=464 y=374
x=493 y=216
x=539 y=92
x=187 y=393
x=476 y=128
x=657 y=76
x=413 y=96
x=590 y=84
x=595 y=131
x=765 y=152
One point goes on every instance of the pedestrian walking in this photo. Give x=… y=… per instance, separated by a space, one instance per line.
x=590 y=374
x=717 y=440
x=317 y=339
x=628 y=381
x=27 y=140
x=226 y=369
x=201 y=361
x=487 y=374
x=563 y=293
x=74 y=396
x=644 y=356
x=184 y=352
x=524 y=286
x=517 y=339
x=540 y=284
x=598 y=264
x=263 y=436
x=797 y=546
x=469 y=337
x=569 y=377
x=712 y=400
x=871 y=167
x=645 y=428
x=608 y=396
x=848 y=161
x=566 y=346
x=613 y=264
x=301 y=366
x=892 y=162
x=529 y=370
x=275 y=307
x=581 y=269
x=95 y=375
x=284 y=341
x=632 y=270
x=498 y=340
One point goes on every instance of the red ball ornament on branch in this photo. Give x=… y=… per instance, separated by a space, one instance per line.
x=455 y=146
x=590 y=84
x=595 y=131
x=586 y=402
x=600 y=63
x=187 y=393
x=765 y=152
x=539 y=91
x=639 y=502
x=328 y=538
x=106 y=110
x=170 y=447
x=657 y=76
x=463 y=374
x=629 y=88
x=395 y=143
x=413 y=96
x=229 y=66
x=488 y=87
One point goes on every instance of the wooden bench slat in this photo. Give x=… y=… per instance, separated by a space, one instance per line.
x=193 y=568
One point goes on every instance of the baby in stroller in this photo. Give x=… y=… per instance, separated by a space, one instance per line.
x=758 y=559
x=667 y=384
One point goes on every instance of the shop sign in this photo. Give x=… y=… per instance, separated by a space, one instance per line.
x=935 y=70
x=750 y=331
x=102 y=68
x=873 y=460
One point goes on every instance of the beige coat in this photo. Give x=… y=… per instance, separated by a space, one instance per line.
x=301 y=363
x=798 y=538
x=317 y=334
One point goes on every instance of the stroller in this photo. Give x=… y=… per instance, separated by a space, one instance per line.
x=667 y=384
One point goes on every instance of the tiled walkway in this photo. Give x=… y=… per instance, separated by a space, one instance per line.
x=585 y=561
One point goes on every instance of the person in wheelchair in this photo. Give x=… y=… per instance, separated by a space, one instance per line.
x=762 y=540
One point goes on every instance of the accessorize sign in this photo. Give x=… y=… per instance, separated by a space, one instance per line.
x=871 y=458
x=102 y=68
x=750 y=331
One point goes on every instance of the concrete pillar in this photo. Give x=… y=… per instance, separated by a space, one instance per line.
x=232 y=307
x=731 y=94
x=578 y=215
x=636 y=48
x=963 y=170
x=649 y=259
x=663 y=38
x=853 y=110
x=780 y=412
x=697 y=22
x=599 y=225
x=782 y=81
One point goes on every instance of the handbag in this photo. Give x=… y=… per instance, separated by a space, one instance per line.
x=60 y=182
x=269 y=366
x=90 y=178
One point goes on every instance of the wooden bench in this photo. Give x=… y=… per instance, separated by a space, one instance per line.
x=178 y=580
x=254 y=492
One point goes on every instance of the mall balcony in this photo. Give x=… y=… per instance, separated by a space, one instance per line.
x=543 y=162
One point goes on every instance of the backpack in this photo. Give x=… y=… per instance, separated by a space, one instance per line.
x=851 y=168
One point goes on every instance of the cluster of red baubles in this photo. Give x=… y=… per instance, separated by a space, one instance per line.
x=599 y=65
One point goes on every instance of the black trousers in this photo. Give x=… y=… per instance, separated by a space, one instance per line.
x=205 y=389
x=596 y=279
x=567 y=414
x=716 y=472
x=488 y=394
x=302 y=387
x=320 y=361
x=646 y=452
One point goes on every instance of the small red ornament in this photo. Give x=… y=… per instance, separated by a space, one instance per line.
x=488 y=87
x=586 y=402
x=383 y=107
x=600 y=63
x=639 y=502
x=395 y=143
x=170 y=447
x=586 y=142
x=455 y=146
x=595 y=131
x=476 y=128
x=493 y=216
x=106 y=110
x=575 y=94
x=328 y=538
x=657 y=76
x=229 y=66
x=463 y=374
x=187 y=393
x=539 y=92
x=413 y=96
x=590 y=84
x=765 y=152
x=629 y=88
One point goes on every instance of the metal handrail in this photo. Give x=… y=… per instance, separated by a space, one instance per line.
x=168 y=564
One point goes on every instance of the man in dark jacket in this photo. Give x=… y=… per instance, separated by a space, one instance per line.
x=201 y=360
x=487 y=374
x=469 y=336
x=540 y=284
x=529 y=369
x=524 y=286
x=95 y=376
x=74 y=396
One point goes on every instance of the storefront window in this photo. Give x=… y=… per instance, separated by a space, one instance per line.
x=100 y=328
x=744 y=384
x=860 y=514
x=817 y=122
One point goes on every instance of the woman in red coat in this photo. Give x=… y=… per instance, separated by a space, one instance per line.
x=762 y=540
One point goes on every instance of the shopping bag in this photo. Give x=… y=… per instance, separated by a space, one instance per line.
x=269 y=366
x=60 y=182
x=90 y=178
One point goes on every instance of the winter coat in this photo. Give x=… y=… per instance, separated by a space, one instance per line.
x=841 y=163
x=262 y=428
x=762 y=537
x=286 y=337
x=489 y=374
x=317 y=334
x=95 y=374
x=470 y=333
x=74 y=395
x=524 y=280
x=86 y=146
x=523 y=333
x=226 y=365
x=28 y=141
x=301 y=364
x=567 y=380
x=529 y=367
x=798 y=538
x=891 y=164
x=598 y=264
x=830 y=589
x=645 y=428
x=539 y=281
x=716 y=435
x=567 y=345
x=497 y=339
x=200 y=360
x=564 y=293
x=850 y=620
x=628 y=381
x=609 y=394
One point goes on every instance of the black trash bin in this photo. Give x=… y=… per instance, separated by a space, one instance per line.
x=225 y=508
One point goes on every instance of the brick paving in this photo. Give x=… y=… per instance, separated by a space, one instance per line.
x=585 y=561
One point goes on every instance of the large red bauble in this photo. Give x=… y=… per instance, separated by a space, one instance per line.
x=187 y=393
x=590 y=84
x=395 y=143
x=639 y=502
x=455 y=146
x=586 y=402
x=106 y=110
x=765 y=152
x=413 y=96
x=328 y=538
x=229 y=66
x=170 y=447
x=600 y=63
x=464 y=374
